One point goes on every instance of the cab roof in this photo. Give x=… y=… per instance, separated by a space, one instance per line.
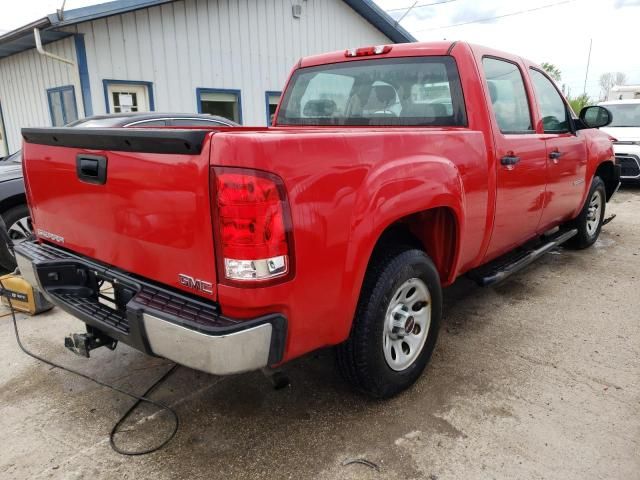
x=415 y=49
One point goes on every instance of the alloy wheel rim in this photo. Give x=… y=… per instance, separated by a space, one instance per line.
x=406 y=324
x=593 y=213
x=20 y=230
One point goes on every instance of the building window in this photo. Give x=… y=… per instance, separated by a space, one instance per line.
x=128 y=96
x=224 y=103
x=62 y=105
x=271 y=100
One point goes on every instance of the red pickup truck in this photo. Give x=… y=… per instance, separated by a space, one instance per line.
x=389 y=171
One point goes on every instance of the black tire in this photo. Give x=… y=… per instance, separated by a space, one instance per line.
x=361 y=359
x=10 y=217
x=586 y=236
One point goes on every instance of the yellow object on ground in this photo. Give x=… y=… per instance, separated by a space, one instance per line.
x=24 y=297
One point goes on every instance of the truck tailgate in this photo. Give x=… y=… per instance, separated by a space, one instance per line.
x=151 y=216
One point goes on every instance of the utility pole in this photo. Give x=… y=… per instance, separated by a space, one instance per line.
x=586 y=74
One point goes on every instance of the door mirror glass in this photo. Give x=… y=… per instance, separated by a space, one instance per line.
x=595 y=116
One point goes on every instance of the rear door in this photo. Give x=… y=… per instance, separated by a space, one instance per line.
x=566 y=153
x=520 y=156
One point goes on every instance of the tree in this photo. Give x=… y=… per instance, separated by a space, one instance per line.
x=579 y=102
x=553 y=71
x=609 y=80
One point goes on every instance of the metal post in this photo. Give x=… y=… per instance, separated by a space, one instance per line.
x=586 y=74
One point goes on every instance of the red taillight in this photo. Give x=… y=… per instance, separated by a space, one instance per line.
x=252 y=218
x=366 y=51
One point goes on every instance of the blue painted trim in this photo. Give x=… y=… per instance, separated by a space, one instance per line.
x=5 y=140
x=59 y=90
x=106 y=9
x=237 y=93
x=381 y=20
x=108 y=81
x=367 y=8
x=267 y=94
x=83 y=71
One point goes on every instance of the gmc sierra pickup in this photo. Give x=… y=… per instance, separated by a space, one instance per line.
x=388 y=172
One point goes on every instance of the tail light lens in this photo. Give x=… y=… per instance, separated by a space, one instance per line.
x=253 y=225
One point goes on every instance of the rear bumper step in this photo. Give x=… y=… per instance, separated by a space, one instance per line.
x=505 y=266
x=152 y=318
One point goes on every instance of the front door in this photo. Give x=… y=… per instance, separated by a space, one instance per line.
x=566 y=154
x=128 y=98
x=520 y=158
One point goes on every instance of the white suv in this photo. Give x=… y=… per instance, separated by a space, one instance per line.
x=625 y=128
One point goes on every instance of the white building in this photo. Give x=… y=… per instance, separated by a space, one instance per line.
x=624 y=92
x=227 y=57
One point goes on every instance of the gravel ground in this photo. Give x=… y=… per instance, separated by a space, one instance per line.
x=536 y=378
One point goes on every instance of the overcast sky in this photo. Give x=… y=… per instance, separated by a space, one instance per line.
x=556 y=31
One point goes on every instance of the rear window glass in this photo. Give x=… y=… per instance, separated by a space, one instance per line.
x=400 y=91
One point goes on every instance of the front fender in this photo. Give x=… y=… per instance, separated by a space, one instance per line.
x=599 y=150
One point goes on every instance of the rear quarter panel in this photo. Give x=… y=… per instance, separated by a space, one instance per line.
x=345 y=187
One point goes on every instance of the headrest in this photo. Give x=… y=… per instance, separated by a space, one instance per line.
x=319 y=108
x=385 y=94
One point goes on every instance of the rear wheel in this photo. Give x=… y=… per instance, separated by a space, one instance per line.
x=589 y=221
x=396 y=324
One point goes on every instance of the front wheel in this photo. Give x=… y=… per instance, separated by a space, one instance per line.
x=396 y=324
x=589 y=221
x=19 y=228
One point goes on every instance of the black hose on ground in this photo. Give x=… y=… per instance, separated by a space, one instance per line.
x=138 y=398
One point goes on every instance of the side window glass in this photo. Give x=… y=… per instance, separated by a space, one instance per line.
x=148 y=123
x=553 y=109
x=194 y=122
x=508 y=96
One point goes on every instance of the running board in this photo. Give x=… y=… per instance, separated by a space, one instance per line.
x=503 y=267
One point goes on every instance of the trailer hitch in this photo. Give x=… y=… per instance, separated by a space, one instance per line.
x=82 y=343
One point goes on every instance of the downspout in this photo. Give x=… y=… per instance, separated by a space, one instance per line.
x=42 y=51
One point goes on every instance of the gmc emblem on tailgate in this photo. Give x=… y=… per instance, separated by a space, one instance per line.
x=195 y=284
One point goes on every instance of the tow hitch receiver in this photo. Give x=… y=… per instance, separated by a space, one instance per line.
x=82 y=343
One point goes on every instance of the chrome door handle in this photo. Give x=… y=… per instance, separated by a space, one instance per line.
x=555 y=155
x=509 y=160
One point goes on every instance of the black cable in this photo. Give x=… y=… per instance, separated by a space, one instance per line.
x=138 y=398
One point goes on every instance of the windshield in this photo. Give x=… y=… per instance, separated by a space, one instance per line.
x=624 y=114
x=398 y=91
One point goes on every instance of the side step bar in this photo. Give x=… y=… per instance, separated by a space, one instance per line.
x=503 y=267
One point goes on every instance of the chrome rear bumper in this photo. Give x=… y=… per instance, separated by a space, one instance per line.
x=152 y=318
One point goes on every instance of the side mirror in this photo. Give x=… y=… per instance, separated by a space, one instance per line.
x=595 y=116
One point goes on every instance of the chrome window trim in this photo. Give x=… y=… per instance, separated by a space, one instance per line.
x=217 y=122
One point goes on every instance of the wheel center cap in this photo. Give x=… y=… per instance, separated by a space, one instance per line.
x=409 y=324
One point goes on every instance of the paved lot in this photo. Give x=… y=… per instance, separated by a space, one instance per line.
x=536 y=378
